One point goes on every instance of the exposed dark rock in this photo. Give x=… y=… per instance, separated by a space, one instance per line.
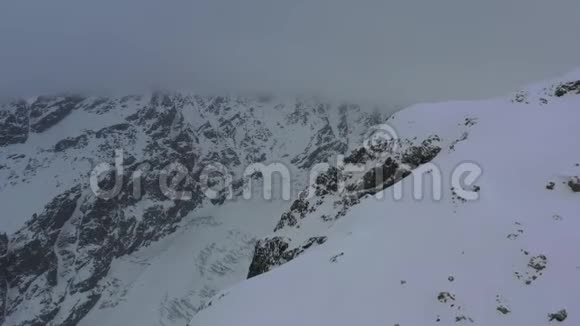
x=321 y=147
x=503 y=309
x=32 y=256
x=3 y=278
x=76 y=142
x=521 y=97
x=538 y=263
x=470 y=122
x=574 y=184
x=327 y=182
x=418 y=155
x=3 y=243
x=104 y=233
x=558 y=316
x=381 y=177
x=81 y=309
x=568 y=88
x=343 y=124
x=14 y=124
x=320 y=154
x=550 y=185
x=461 y=318
x=359 y=156
x=273 y=252
x=346 y=203
x=48 y=111
x=444 y=297
x=298 y=209
x=287 y=219
x=300 y=114
x=118 y=128
x=536 y=267
x=268 y=253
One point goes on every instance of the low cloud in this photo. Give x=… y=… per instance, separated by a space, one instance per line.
x=397 y=51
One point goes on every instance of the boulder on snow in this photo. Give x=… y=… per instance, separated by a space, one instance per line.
x=503 y=309
x=574 y=184
x=443 y=297
x=558 y=316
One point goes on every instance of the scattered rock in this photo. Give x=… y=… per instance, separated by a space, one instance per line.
x=536 y=267
x=455 y=196
x=463 y=318
x=470 y=121
x=451 y=278
x=520 y=97
x=574 y=184
x=444 y=297
x=558 y=316
x=503 y=309
x=538 y=263
x=550 y=185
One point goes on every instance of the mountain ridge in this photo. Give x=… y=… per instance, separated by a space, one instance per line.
x=63 y=247
x=506 y=258
x=146 y=258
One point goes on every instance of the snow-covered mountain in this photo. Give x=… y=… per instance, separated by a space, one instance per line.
x=68 y=257
x=510 y=257
x=357 y=246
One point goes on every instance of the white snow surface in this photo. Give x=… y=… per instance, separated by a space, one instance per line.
x=395 y=258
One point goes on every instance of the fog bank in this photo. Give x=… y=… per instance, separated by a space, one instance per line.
x=397 y=51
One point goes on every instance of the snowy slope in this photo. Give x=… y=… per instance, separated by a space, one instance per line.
x=509 y=258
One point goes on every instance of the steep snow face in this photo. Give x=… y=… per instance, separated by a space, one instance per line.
x=508 y=258
x=71 y=258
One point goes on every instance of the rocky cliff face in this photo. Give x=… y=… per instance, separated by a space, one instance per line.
x=379 y=168
x=61 y=240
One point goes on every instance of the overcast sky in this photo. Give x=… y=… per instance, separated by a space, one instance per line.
x=390 y=50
